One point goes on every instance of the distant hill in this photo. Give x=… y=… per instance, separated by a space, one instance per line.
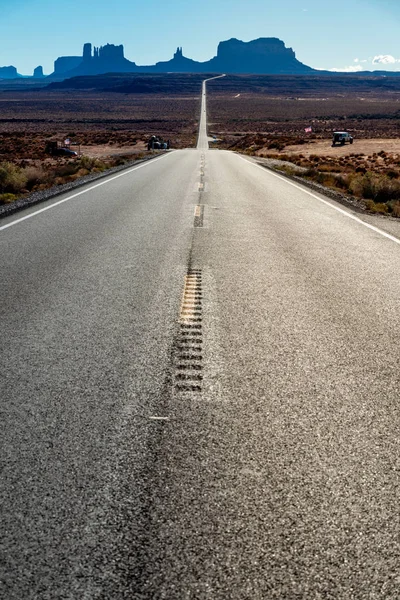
x=295 y=86
x=134 y=83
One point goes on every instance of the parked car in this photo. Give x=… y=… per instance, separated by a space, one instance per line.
x=157 y=143
x=341 y=137
x=65 y=152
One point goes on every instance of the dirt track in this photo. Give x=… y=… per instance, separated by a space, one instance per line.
x=106 y=150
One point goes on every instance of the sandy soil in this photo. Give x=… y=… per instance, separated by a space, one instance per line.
x=106 y=150
x=324 y=147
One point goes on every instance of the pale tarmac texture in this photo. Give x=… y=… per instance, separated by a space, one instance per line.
x=281 y=478
x=291 y=487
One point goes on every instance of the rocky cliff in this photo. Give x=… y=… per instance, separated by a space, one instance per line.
x=8 y=73
x=38 y=72
x=264 y=56
x=64 y=64
x=96 y=61
x=177 y=64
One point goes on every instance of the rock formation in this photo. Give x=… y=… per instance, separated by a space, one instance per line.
x=178 y=64
x=111 y=52
x=87 y=52
x=38 y=73
x=63 y=64
x=8 y=73
x=261 y=56
x=105 y=59
x=264 y=55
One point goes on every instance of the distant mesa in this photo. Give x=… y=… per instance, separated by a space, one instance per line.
x=64 y=64
x=9 y=73
x=267 y=56
x=96 y=61
x=261 y=56
x=38 y=73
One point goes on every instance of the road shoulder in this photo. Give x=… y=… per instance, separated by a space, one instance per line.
x=386 y=223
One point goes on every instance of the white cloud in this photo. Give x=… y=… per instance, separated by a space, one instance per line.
x=349 y=69
x=384 y=59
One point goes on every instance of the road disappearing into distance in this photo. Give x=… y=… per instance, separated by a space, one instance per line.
x=203 y=138
x=199 y=390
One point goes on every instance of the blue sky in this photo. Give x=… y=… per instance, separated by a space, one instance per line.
x=344 y=34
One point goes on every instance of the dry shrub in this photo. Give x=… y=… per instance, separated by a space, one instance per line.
x=328 y=180
x=342 y=181
x=376 y=187
x=377 y=207
x=396 y=210
x=287 y=169
x=12 y=178
x=7 y=198
x=34 y=177
x=82 y=173
x=66 y=170
x=87 y=163
x=328 y=168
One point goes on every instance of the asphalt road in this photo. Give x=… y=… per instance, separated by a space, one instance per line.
x=203 y=138
x=240 y=444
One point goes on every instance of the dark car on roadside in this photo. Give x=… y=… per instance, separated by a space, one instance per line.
x=341 y=137
x=65 y=152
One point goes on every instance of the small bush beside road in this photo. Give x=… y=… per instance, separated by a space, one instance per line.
x=374 y=181
x=19 y=179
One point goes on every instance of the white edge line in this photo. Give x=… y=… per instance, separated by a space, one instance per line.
x=340 y=210
x=93 y=187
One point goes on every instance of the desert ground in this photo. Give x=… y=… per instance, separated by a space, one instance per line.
x=324 y=148
x=109 y=120
x=106 y=129
x=29 y=119
x=268 y=117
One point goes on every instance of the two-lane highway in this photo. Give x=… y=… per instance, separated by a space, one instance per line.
x=200 y=390
x=203 y=138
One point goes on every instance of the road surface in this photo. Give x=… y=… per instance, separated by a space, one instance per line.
x=199 y=390
x=203 y=138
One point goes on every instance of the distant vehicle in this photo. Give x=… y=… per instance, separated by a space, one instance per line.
x=341 y=137
x=157 y=143
x=65 y=152
x=55 y=150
